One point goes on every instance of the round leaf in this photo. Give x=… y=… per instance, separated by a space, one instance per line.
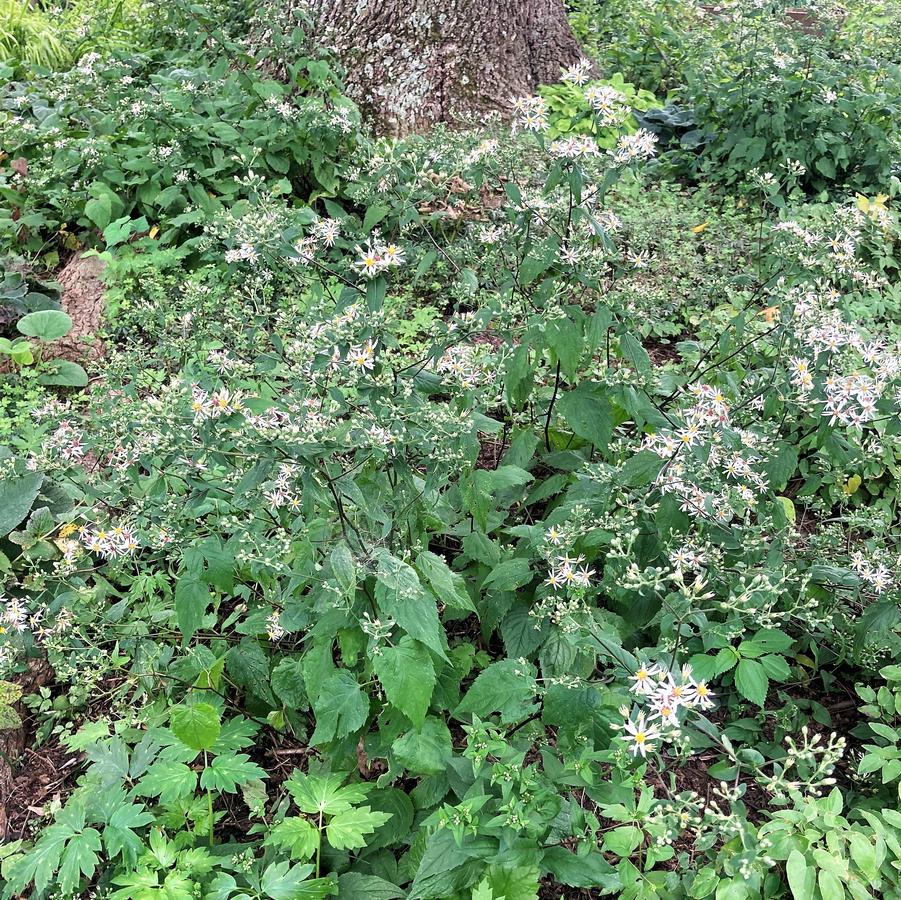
x=196 y=725
x=45 y=324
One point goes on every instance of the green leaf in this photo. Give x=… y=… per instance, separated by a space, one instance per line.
x=347 y=830
x=168 y=780
x=249 y=667
x=507 y=686
x=79 y=859
x=45 y=324
x=63 y=374
x=373 y=216
x=449 y=587
x=427 y=751
x=288 y=683
x=356 y=886
x=830 y=887
x=296 y=835
x=316 y=794
x=343 y=568
x=623 y=840
x=197 y=725
x=508 y=575
x=589 y=870
x=17 y=494
x=408 y=676
x=589 y=416
x=340 y=708
x=282 y=882
x=99 y=210
x=401 y=597
x=751 y=681
x=228 y=771
x=631 y=349
x=192 y=598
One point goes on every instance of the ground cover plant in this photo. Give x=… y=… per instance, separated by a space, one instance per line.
x=493 y=513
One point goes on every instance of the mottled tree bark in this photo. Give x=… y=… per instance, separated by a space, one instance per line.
x=412 y=63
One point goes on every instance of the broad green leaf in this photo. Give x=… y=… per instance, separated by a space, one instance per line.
x=830 y=887
x=45 y=324
x=427 y=751
x=347 y=830
x=343 y=568
x=63 y=373
x=623 y=840
x=507 y=686
x=17 y=494
x=449 y=587
x=589 y=870
x=296 y=835
x=401 y=597
x=340 y=709
x=589 y=416
x=225 y=773
x=288 y=683
x=408 y=676
x=751 y=681
x=316 y=793
x=197 y=725
x=192 y=598
x=356 y=886
x=508 y=575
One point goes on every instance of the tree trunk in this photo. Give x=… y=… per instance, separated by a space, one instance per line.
x=412 y=63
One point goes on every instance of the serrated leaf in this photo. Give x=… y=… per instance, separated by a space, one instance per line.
x=197 y=725
x=408 y=676
x=225 y=773
x=340 y=708
x=168 y=780
x=296 y=835
x=751 y=681
x=427 y=751
x=347 y=830
x=449 y=586
x=507 y=686
x=316 y=793
x=288 y=683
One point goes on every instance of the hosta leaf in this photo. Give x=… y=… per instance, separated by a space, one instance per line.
x=45 y=324
x=347 y=830
x=17 y=494
x=408 y=676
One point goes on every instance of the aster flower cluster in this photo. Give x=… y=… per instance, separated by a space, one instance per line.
x=876 y=574
x=376 y=256
x=666 y=696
